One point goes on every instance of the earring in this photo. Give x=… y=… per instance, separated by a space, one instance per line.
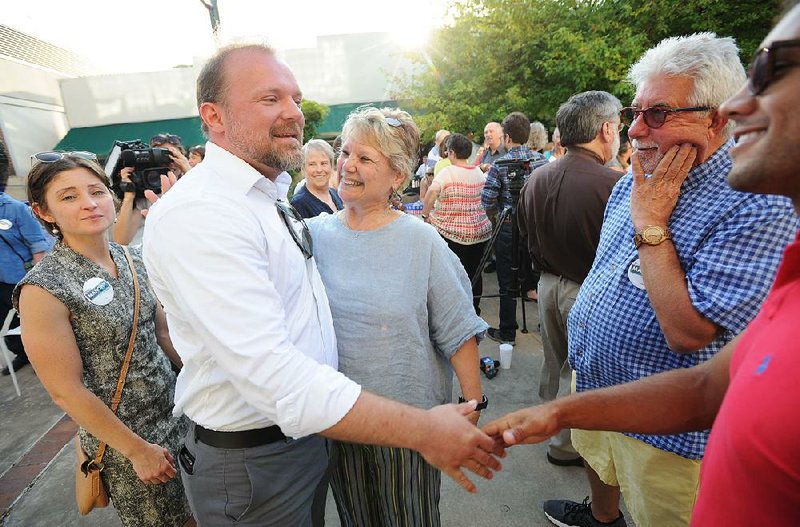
x=54 y=230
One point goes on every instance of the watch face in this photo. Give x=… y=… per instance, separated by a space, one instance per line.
x=653 y=234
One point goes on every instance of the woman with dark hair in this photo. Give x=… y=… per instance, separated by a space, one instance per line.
x=453 y=206
x=77 y=306
x=196 y=154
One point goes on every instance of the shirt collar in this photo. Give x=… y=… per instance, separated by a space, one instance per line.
x=718 y=165
x=241 y=177
x=576 y=150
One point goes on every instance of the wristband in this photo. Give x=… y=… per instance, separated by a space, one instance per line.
x=481 y=405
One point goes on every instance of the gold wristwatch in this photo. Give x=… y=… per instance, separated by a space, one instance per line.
x=651 y=235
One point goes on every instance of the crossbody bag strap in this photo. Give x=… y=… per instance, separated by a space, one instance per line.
x=101 y=450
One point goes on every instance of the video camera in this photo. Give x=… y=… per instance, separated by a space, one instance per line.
x=148 y=166
x=517 y=172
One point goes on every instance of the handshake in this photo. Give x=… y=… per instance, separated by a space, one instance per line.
x=452 y=443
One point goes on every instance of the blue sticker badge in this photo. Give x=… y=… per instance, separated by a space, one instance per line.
x=98 y=291
x=635 y=274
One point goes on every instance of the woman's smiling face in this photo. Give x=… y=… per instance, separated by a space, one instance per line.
x=367 y=177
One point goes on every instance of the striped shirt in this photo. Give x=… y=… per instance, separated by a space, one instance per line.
x=729 y=244
x=458 y=214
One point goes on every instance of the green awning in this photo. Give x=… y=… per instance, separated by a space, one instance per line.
x=332 y=125
x=100 y=139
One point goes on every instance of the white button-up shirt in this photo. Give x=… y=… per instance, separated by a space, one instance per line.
x=247 y=312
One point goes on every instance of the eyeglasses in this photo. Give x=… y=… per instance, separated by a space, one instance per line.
x=655 y=116
x=297 y=227
x=52 y=157
x=161 y=139
x=764 y=65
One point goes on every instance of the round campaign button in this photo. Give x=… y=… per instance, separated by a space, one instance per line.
x=98 y=291
x=5 y=224
x=635 y=274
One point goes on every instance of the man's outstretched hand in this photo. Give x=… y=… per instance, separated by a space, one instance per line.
x=530 y=425
x=455 y=444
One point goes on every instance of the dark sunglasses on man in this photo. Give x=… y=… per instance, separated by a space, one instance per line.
x=297 y=227
x=655 y=116
x=765 y=65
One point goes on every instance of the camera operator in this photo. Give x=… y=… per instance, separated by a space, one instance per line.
x=130 y=220
x=496 y=196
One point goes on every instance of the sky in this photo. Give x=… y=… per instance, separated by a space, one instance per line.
x=151 y=35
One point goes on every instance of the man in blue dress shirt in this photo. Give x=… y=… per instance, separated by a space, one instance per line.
x=22 y=244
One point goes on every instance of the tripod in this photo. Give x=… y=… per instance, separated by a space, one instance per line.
x=519 y=256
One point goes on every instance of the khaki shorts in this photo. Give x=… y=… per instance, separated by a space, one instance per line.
x=659 y=487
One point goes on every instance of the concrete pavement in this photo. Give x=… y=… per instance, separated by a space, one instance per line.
x=512 y=499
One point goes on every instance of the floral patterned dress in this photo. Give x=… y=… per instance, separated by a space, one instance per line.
x=101 y=310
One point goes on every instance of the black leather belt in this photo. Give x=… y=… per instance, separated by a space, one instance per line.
x=243 y=439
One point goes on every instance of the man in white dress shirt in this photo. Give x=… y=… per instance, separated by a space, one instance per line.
x=249 y=317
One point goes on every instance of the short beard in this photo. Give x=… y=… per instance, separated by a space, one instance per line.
x=291 y=159
x=283 y=161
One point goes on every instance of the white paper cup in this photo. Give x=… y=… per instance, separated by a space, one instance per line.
x=506 y=350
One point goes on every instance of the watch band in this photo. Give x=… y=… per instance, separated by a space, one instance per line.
x=640 y=238
x=481 y=405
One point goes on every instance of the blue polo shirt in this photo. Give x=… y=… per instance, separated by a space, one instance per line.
x=22 y=236
x=729 y=245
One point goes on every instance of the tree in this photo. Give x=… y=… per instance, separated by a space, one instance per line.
x=498 y=56
x=315 y=113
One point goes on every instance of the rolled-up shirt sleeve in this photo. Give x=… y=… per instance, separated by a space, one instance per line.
x=31 y=231
x=209 y=266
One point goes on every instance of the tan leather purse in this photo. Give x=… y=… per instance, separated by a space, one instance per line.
x=90 y=492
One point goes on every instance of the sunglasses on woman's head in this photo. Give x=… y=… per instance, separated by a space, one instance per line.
x=161 y=139
x=765 y=65
x=52 y=157
x=655 y=116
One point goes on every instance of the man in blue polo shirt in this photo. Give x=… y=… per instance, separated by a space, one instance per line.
x=22 y=244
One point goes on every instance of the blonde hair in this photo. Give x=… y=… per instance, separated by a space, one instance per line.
x=391 y=130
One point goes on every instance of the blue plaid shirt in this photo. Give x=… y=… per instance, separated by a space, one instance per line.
x=496 y=195
x=729 y=244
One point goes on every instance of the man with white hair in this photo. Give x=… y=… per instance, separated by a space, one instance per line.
x=683 y=265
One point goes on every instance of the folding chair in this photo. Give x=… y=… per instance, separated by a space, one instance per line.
x=7 y=354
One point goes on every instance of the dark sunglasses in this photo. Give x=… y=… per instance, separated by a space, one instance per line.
x=764 y=65
x=161 y=139
x=655 y=116
x=52 y=157
x=297 y=227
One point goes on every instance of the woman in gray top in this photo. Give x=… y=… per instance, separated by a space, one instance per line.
x=77 y=307
x=402 y=310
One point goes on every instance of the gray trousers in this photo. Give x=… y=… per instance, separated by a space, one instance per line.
x=272 y=484
x=556 y=297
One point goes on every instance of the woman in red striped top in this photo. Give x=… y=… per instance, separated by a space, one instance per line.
x=453 y=206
